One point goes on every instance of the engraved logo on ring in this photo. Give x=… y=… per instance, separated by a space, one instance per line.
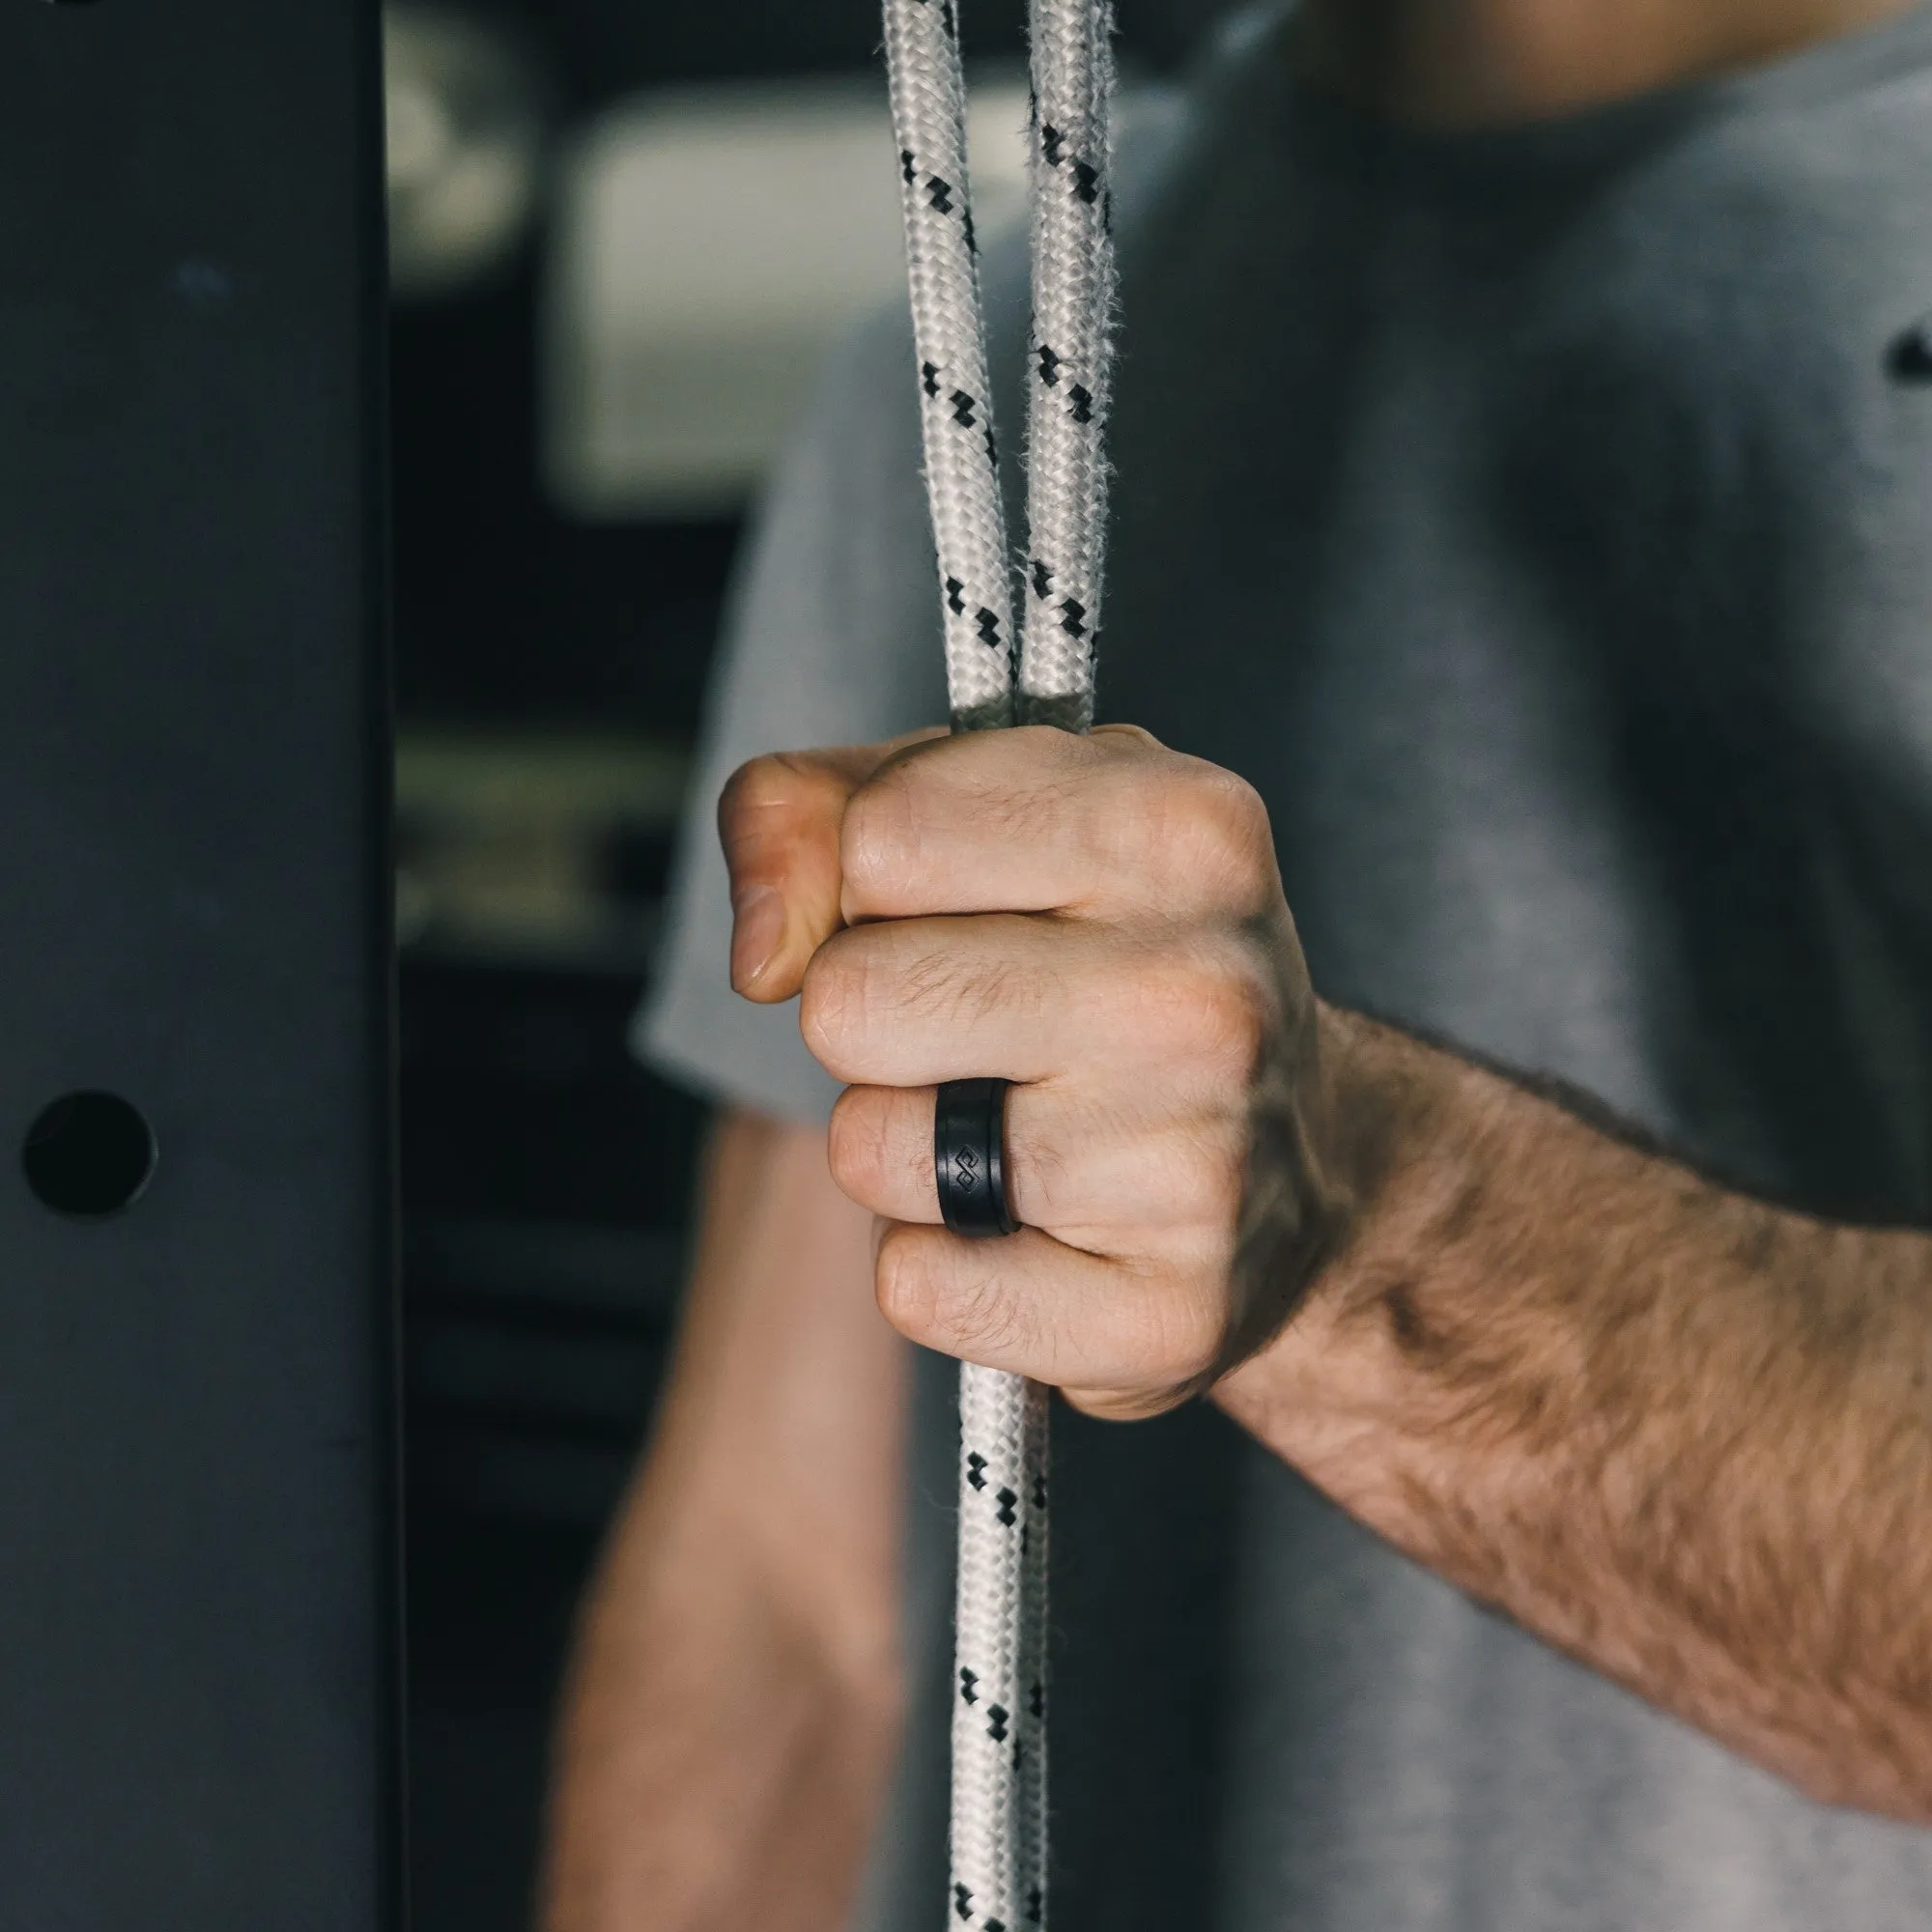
x=965 y=1170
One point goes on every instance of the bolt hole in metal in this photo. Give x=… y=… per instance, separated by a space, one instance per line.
x=89 y=1155
x=1908 y=356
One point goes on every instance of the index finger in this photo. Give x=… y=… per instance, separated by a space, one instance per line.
x=1035 y=819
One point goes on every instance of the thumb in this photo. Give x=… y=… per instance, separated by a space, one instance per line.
x=778 y=820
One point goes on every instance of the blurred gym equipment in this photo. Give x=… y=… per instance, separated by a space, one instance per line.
x=198 y=1631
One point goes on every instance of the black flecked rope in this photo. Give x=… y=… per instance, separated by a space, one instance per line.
x=999 y=1715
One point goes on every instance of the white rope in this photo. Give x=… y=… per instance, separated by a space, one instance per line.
x=1073 y=318
x=998 y=1829
x=969 y=525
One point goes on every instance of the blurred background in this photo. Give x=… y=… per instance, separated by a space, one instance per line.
x=623 y=232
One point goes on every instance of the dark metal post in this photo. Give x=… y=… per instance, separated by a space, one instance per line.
x=198 y=1654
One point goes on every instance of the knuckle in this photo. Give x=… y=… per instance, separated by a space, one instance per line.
x=836 y=1001
x=1216 y=828
x=858 y=1147
x=879 y=842
x=1231 y=1023
x=902 y=1283
x=1029 y=784
x=1204 y=1007
x=1214 y=1179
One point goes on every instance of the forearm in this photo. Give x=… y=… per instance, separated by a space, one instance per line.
x=1684 y=1434
x=733 y=1700
x=721 y=1759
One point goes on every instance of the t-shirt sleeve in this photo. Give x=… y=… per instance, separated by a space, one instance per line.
x=831 y=637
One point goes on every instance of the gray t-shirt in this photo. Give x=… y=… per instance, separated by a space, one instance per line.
x=1541 y=520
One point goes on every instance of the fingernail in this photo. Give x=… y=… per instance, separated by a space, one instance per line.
x=757 y=924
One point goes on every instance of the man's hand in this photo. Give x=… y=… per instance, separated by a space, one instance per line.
x=1101 y=921
x=1681 y=1433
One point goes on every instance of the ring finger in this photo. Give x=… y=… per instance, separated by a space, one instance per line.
x=1085 y=1171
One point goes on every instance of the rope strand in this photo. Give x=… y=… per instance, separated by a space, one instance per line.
x=1071 y=385
x=998 y=1822
x=969 y=525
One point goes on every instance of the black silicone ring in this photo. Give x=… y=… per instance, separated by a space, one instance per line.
x=969 y=1157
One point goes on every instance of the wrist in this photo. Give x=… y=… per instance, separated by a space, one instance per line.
x=1391 y=1107
x=1401 y=1149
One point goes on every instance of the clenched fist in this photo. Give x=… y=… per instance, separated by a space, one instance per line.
x=1100 y=921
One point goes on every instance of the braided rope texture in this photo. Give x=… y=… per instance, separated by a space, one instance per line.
x=999 y=1821
x=969 y=528
x=1073 y=295
x=999 y=1703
